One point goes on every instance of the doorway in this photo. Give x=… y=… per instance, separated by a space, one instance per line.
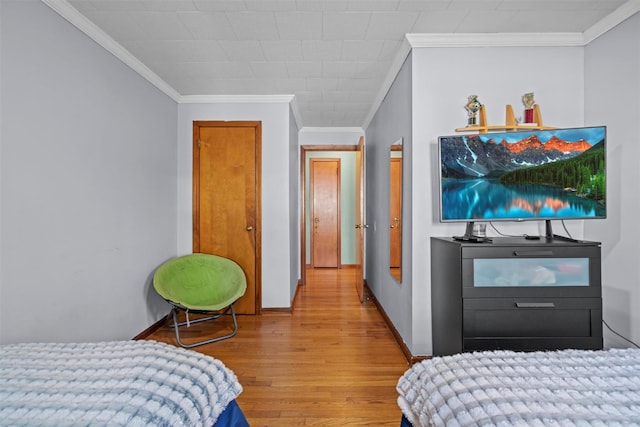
x=347 y=155
x=226 y=199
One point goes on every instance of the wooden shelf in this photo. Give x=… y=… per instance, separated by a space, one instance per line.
x=510 y=122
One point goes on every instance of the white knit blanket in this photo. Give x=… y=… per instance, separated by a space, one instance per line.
x=503 y=388
x=130 y=383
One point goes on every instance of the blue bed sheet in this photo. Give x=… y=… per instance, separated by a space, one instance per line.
x=404 y=422
x=232 y=416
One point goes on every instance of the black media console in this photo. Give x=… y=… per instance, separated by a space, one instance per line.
x=515 y=294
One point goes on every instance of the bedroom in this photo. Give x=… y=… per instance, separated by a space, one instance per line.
x=92 y=194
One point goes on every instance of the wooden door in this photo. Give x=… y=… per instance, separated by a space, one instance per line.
x=360 y=225
x=325 y=212
x=395 y=213
x=226 y=199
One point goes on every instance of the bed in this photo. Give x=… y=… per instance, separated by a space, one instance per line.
x=559 y=388
x=132 y=383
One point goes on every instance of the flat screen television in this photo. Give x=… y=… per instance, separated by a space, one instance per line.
x=523 y=175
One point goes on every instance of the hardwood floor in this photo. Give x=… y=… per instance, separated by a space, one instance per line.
x=333 y=362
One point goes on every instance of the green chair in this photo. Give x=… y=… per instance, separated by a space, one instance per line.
x=200 y=283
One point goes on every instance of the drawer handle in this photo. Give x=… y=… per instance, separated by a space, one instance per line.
x=534 y=253
x=535 y=305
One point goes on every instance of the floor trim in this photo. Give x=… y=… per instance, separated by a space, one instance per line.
x=277 y=310
x=151 y=329
x=411 y=359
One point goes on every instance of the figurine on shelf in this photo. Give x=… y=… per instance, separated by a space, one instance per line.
x=472 y=106
x=527 y=100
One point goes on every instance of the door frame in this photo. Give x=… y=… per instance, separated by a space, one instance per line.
x=304 y=149
x=361 y=226
x=257 y=125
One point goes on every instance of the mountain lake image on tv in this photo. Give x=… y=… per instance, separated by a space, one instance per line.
x=523 y=175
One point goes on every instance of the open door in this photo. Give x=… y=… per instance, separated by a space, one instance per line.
x=360 y=225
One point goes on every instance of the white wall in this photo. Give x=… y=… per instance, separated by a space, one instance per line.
x=330 y=136
x=612 y=82
x=391 y=122
x=88 y=179
x=276 y=230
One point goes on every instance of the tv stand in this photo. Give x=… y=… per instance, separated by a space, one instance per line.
x=550 y=236
x=515 y=294
x=470 y=237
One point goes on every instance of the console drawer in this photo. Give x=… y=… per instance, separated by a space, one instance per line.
x=530 y=317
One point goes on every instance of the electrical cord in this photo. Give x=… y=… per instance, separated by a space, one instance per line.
x=603 y=321
x=500 y=233
x=512 y=235
x=565 y=229
x=624 y=338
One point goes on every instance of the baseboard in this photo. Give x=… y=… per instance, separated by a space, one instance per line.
x=308 y=266
x=151 y=329
x=277 y=310
x=411 y=359
x=284 y=310
x=295 y=296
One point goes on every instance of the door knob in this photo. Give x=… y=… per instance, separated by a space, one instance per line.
x=249 y=228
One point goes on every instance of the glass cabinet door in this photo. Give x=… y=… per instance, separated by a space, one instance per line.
x=526 y=272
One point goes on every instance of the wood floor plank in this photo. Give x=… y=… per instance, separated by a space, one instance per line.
x=332 y=362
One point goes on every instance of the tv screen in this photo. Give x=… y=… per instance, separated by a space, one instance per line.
x=523 y=175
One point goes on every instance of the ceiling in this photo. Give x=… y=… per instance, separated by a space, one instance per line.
x=334 y=59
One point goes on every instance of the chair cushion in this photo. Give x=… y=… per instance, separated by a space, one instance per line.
x=200 y=281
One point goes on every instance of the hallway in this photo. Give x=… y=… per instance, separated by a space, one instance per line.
x=333 y=362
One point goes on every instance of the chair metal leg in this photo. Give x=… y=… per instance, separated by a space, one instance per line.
x=201 y=319
x=177 y=325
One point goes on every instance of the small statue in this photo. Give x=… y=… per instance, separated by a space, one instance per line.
x=527 y=100
x=472 y=106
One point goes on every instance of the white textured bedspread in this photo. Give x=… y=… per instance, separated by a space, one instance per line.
x=504 y=388
x=122 y=383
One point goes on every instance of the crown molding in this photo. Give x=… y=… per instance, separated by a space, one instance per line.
x=627 y=10
x=235 y=99
x=68 y=12
x=495 y=40
x=312 y=129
